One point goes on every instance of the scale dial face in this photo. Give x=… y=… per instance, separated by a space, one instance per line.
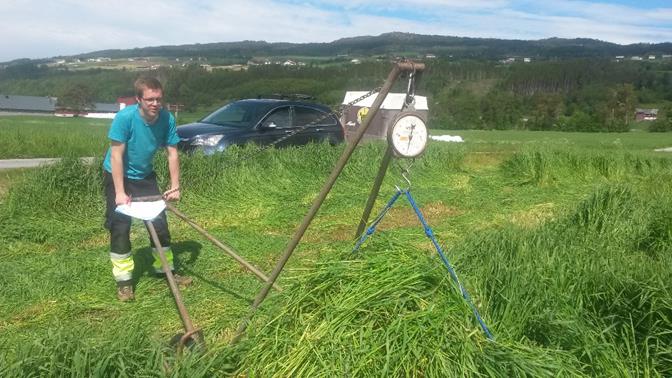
x=408 y=135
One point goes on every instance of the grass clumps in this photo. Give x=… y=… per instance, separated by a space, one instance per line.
x=55 y=203
x=62 y=352
x=393 y=312
x=582 y=283
x=566 y=254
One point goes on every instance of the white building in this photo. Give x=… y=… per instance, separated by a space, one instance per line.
x=353 y=115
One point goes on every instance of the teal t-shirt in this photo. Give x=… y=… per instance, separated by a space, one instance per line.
x=141 y=140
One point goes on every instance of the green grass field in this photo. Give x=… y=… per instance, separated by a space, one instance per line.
x=562 y=240
x=33 y=137
x=44 y=137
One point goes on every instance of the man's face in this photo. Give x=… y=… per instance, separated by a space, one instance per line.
x=150 y=103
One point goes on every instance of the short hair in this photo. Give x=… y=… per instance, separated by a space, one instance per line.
x=144 y=82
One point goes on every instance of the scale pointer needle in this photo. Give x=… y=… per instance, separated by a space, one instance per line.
x=410 y=137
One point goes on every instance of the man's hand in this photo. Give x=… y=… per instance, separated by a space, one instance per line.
x=172 y=194
x=174 y=169
x=122 y=199
x=116 y=160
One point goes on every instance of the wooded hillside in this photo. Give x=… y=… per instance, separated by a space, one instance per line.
x=586 y=94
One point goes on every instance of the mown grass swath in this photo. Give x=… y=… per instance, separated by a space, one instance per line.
x=564 y=251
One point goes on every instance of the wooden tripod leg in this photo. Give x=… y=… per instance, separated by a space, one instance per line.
x=184 y=315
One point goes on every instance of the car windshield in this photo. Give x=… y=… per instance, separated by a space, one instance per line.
x=239 y=114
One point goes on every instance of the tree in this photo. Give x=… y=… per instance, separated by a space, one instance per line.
x=624 y=97
x=457 y=109
x=546 y=112
x=76 y=98
x=579 y=121
x=500 y=110
x=664 y=121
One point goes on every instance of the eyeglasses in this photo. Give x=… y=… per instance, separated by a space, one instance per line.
x=154 y=100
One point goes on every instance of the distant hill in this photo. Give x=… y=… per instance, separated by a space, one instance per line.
x=397 y=43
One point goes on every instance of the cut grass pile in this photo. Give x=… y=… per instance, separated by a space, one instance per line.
x=588 y=294
x=393 y=312
x=565 y=253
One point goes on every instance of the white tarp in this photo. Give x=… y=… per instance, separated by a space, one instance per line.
x=393 y=101
x=142 y=210
x=100 y=115
x=447 y=138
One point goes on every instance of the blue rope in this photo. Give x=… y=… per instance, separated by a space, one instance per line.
x=453 y=275
x=430 y=234
x=369 y=231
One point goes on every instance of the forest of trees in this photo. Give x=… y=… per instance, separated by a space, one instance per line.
x=585 y=94
x=398 y=43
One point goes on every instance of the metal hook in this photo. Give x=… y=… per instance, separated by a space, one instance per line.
x=410 y=90
x=408 y=181
x=405 y=172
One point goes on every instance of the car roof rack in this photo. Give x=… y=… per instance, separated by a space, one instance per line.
x=288 y=96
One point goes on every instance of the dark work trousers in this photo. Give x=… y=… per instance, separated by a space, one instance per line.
x=119 y=224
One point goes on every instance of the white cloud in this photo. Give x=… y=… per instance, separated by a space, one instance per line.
x=62 y=27
x=414 y=4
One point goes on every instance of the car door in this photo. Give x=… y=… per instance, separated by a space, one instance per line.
x=326 y=127
x=276 y=125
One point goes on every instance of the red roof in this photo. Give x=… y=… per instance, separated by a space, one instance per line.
x=126 y=100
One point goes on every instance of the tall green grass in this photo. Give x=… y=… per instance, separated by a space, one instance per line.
x=532 y=166
x=23 y=137
x=590 y=288
x=64 y=352
x=584 y=290
x=513 y=140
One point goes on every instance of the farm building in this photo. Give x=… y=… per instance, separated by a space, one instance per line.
x=12 y=104
x=103 y=110
x=27 y=104
x=353 y=115
x=36 y=105
x=646 y=114
x=98 y=110
x=125 y=101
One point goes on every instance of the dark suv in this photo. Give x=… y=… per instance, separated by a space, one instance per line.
x=261 y=121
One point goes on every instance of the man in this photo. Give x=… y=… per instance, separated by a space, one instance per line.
x=136 y=133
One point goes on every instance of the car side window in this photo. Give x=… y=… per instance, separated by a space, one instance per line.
x=233 y=114
x=304 y=116
x=279 y=117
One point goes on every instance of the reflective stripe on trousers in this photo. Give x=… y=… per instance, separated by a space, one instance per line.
x=122 y=266
x=158 y=268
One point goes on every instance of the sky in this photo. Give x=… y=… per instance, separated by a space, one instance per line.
x=43 y=29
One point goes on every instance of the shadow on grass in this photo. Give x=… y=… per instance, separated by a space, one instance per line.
x=218 y=285
x=143 y=258
x=143 y=265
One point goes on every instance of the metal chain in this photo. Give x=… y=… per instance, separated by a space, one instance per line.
x=405 y=171
x=409 y=104
x=409 y=101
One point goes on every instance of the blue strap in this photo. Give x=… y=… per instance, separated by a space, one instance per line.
x=369 y=231
x=453 y=275
x=430 y=234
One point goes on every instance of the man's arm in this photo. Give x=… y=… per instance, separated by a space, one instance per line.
x=117 y=163
x=174 y=169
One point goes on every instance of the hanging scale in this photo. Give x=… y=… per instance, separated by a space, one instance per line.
x=407 y=136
